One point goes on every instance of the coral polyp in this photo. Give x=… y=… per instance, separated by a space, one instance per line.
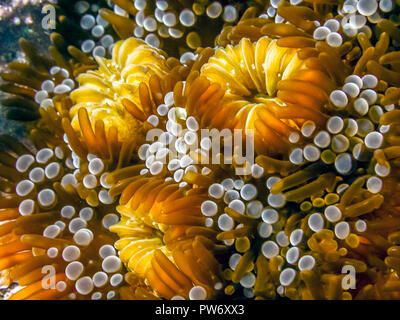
x=132 y=183
x=270 y=89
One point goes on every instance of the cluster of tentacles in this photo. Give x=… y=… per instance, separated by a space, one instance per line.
x=127 y=185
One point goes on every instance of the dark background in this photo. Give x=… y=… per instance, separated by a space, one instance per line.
x=19 y=18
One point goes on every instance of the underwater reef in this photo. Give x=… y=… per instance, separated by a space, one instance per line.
x=115 y=195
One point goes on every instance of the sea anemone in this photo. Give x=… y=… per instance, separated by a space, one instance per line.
x=46 y=187
x=331 y=228
x=164 y=239
x=47 y=227
x=118 y=194
x=101 y=92
x=269 y=89
x=41 y=80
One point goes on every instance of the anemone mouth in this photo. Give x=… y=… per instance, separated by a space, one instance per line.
x=270 y=89
x=163 y=238
x=138 y=249
x=101 y=91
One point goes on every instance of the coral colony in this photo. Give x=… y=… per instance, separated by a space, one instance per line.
x=134 y=186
